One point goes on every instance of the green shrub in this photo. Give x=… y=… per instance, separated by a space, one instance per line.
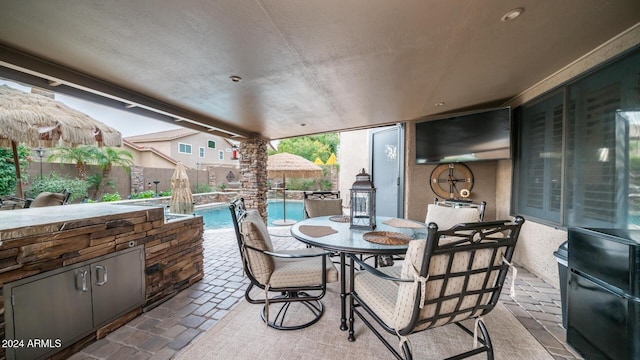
x=54 y=183
x=147 y=194
x=202 y=188
x=301 y=184
x=111 y=197
x=165 y=193
x=8 y=179
x=325 y=184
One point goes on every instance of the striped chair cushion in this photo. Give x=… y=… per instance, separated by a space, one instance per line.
x=323 y=207
x=446 y=217
x=455 y=285
x=255 y=234
x=301 y=271
x=380 y=295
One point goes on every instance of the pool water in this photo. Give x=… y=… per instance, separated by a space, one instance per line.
x=220 y=217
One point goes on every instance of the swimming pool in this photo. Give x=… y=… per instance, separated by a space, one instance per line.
x=219 y=216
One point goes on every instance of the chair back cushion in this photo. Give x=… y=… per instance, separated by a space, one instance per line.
x=48 y=199
x=446 y=216
x=323 y=207
x=255 y=234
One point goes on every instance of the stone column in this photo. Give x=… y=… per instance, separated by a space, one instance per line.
x=253 y=174
x=211 y=177
x=137 y=179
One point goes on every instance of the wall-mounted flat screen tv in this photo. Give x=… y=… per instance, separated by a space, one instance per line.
x=471 y=136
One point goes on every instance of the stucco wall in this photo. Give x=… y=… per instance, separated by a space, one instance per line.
x=352 y=156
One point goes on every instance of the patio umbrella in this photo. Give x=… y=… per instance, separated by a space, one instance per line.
x=181 y=198
x=288 y=165
x=39 y=121
x=332 y=159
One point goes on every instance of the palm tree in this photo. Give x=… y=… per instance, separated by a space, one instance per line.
x=107 y=158
x=80 y=156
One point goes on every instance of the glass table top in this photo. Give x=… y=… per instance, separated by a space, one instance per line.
x=349 y=240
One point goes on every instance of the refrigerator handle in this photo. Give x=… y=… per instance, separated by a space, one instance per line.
x=100 y=282
x=81 y=280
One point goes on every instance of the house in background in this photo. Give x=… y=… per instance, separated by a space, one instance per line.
x=146 y=156
x=195 y=149
x=211 y=159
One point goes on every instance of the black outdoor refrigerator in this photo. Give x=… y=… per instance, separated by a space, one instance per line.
x=603 y=296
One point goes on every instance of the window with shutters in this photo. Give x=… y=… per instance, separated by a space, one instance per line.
x=595 y=154
x=577 y=155
x=539 y=158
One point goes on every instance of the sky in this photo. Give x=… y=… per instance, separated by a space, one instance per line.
x=127 y=123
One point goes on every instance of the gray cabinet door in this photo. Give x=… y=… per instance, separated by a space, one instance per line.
x=56 y=307
x=117 y=285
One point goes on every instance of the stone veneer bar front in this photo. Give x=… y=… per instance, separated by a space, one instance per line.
x=36 y=240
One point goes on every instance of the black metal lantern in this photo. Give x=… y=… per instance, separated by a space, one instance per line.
x=363 y=203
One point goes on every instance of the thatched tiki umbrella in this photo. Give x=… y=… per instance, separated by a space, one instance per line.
x=288 y=165
x=38 y=121
x=181 y=198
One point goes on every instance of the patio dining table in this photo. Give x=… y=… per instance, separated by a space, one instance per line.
x=333 y=233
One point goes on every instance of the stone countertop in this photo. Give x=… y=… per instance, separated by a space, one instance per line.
x=51 y=218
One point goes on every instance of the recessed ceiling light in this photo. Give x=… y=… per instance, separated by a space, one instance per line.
x=511 y=15
x=440 y=103
x=235 y=78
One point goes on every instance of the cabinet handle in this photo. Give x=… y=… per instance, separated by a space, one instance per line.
x=104 y=276
x=81 y=280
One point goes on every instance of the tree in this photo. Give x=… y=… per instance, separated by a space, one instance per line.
x=107 y=158
x=311 y=147
x=331 y=140
x=81 y=156
x=8 y=180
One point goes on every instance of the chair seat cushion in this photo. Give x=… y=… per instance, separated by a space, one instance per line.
x=379 y=294
x=294 y=272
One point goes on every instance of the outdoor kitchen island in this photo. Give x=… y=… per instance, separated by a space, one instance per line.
x=72 y=274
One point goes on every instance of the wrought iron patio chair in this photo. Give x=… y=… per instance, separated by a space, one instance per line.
x=451 y=276
x=296 y=276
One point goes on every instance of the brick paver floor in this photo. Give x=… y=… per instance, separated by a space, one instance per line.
x=162 y=332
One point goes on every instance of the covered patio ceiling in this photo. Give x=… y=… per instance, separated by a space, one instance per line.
x=305 y=66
